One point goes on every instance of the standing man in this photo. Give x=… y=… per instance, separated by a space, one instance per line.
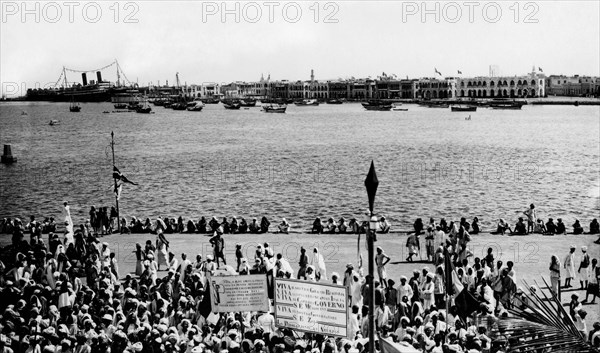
x=570 y=267
x=585 y=266
x=531 y=217
x=67 y=212
x=218 y=244
x=381 y=259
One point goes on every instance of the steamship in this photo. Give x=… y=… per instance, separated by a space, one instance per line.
x=92 y=91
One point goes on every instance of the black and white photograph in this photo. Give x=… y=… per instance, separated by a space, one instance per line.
x=304 y=176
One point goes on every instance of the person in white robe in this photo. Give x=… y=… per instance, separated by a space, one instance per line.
x=569 y=265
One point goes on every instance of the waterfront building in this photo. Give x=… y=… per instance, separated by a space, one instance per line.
x=339 y=89
x=524 y=86
x=572 y=86
x=362 y=89
x=434 y=88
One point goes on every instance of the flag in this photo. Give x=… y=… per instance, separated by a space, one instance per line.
x=117 y=191
x=437 y=72
x=453 y=284
x=539 y=68
x=459 y=72
x=466 y=303
x=205 y=307
x=117 y=175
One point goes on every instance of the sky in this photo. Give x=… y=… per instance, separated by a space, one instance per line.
x=217 y=41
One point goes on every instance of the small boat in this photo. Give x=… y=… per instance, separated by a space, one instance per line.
x=463 y=108
x=232 y=106
x=178 y=106
x=398 y=109
x=158 y=102
x=196 y=108
x=377 y=106
x=53 y=122
x=506 y=105
x=106 y=112
x=74 y=108
x=274 y=108
x=306 y=102
x=334 y=101
x=121 y=106
x=24 y=113
x=211 y=101
x=248 y=102
x=432 y=104
x=133 y=106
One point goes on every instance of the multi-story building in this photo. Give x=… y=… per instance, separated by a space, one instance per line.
x=408 y=89
x=362 y=89
x=339 y=89
x=433 y=88
x=524 y=86
x=574 y=86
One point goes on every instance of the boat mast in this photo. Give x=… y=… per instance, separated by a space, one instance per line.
x=112 y=147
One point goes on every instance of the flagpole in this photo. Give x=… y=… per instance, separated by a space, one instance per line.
x=112 y=146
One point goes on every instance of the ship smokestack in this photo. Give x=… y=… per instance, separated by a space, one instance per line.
x=84 y=79
x=99 y=76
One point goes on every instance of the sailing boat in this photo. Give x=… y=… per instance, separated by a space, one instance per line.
x=144 y=108
x=74 y=107
x=273 y=106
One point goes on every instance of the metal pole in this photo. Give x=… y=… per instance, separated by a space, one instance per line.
x=371 y=289
x=112 y=146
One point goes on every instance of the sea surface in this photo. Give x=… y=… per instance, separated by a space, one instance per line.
x=309 y=162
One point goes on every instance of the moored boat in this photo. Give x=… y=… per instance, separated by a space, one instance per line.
x=274 y=108
x=334 y=101
x=248 y=102
x=377 y=106
x=196 y=108
x=463 y=108
x=232 y=106
x=306 y=102
x=120 y=106
x=512 y=105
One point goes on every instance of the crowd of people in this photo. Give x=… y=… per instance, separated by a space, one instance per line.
x=68 y=295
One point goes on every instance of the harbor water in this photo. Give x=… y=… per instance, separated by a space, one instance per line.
x=309 y=162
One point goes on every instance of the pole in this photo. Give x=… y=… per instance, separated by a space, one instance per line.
x=371 y=289
x=112 y=146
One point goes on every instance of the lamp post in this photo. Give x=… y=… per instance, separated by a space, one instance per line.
x=371 y=183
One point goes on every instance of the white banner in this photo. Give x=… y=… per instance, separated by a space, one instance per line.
x=239 y=293
x=311 y=307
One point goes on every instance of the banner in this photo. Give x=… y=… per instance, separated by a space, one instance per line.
x=311 y=307
x=239 y=293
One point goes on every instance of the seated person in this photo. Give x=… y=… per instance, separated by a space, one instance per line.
x=284 y=227
x=560 y=227
x=331 y=226
x=475 y=226
x=342 y=226
x=243 y=226
x=254 y=227
x=520 y=227
x=539 y=227
x=384 y=225
x=233 y=226
x=577 y=228
x=317 y=227
x=550 y=227
x=594 y=226
x=353 y=226
x=502 y=227
x=264 y=225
